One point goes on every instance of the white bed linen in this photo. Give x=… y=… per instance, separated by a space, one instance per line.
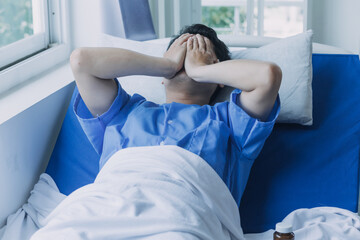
x=322 y=223
x=31 y=216
x=160 y=192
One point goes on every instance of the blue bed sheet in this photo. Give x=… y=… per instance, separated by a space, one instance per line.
x=299 y=167
x=74 y=162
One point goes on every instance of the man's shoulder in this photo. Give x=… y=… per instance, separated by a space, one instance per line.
x=137 y=101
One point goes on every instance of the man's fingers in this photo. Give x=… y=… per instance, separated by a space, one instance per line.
x=207 y=43
x=190 y=44
x=183 y=38
x=209 y=47
x=195 y=43
x=201 y=42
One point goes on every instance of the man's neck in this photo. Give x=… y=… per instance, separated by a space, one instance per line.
x=179 y=98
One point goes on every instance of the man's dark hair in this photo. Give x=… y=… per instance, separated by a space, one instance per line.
x=221 y=50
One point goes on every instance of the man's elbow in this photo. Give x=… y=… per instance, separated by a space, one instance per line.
x=274 y=77
x=78 y=60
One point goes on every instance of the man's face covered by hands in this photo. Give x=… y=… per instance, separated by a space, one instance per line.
x=188 y=52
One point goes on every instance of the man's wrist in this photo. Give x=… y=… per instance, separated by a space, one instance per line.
x=197 y=73
x=170 y=68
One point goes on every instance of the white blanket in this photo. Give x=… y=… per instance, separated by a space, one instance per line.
x=160 y=192
x=321 y=223
x=31 y=216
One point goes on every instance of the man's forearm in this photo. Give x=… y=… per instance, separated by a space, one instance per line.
x=246 y=75
x=94 y=69
x=109 y=63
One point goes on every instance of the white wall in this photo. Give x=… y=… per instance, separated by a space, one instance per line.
x=336 y=22
x=85 y=22
x=26 y=143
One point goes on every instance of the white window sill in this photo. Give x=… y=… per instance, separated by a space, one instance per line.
x=23 y=96
x=33 y=66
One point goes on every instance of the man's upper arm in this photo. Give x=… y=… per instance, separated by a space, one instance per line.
x=97 y=94
x=249 y=133
x=259 y=102
x=94 y=127
x=256 y=103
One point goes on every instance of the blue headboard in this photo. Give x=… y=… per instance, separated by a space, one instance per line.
x=304 y=167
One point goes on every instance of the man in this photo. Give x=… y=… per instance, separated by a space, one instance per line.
x=228 y=135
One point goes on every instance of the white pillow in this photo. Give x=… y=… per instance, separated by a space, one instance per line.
x=148 y=87
x=292 y=54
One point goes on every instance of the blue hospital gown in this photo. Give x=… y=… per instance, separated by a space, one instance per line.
x=224 y=135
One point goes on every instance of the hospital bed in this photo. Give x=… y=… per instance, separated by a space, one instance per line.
x=299 y=166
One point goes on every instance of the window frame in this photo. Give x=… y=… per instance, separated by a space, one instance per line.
x=261 y=4
x=40 y=61
x=38 y=41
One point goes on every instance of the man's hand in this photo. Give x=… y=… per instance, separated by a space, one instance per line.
x=200 y=52
x=176 y=53
x=259 y=81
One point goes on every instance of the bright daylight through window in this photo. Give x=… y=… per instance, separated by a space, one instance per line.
x=16 y=21
x=272 y=18
x=23 y=29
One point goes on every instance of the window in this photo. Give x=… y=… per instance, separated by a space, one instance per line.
x=33 y=38
x=274 y=18
x=15 y=21
x=23 y=29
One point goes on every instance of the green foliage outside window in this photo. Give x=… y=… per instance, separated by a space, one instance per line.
x=223 y=18
x=16 y=20
x=218 y=17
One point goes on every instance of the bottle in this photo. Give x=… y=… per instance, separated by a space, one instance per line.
x=283 y=231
